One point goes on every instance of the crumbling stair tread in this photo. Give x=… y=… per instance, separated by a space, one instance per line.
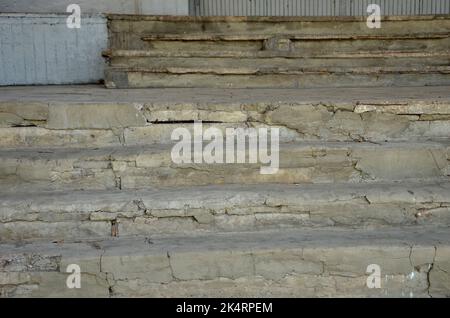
x=295 y=263
x=283 y=71
x=76 y=94
x=269 y=54
x=118 y=152
x=235 y=194
x=245 y=241
x=302 y=37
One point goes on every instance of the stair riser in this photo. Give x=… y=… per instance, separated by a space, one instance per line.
x=181 y=46
x=393 y=128
x=311 y=164
x=330 y=47
x=262 y=269
x=56 y=225
x=374 y=118
x=80 y=215
x=34 y=137
x=123 y=79
x=128 y=34
x=282 y=63
x=297 y=47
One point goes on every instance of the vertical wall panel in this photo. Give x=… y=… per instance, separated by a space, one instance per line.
x=172 y=7
x=315 y=7
x=40 y=49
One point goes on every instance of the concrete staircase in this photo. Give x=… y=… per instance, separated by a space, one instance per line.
x=86 y=176
x=87 y=179
x=288 y=52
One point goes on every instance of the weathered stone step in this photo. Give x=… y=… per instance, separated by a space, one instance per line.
x=92 y=116
x=41 y=137
x=302 y=37
x=280 y=44
x=126 y=32
x=231 y=208
x=268 y=54
x=263 y=70
x=282 y=47
x=222 y=77
x=278 y=62
x=302 y=263
x=152 y=165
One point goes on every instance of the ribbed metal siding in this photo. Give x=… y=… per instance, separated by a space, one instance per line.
x=403 y=7
x=315 y=7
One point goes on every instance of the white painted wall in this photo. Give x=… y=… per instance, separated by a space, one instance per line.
x=171 y=7
x=40 y=49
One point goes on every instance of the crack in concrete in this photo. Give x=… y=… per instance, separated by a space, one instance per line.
x=430 y=268
x=172 y=274
x=109 y=277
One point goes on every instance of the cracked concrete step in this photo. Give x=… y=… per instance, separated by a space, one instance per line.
x=210 y=77
x=42 y=137
x=360 y=54
x=244 y=63
x=92 y=116
x=152 y=165
x=227 y=208
x=295 y=122
x=127 y=32
x=302 y=263
x=303 y=46
x=302 y=37
x=269 y=40
x=267 y=70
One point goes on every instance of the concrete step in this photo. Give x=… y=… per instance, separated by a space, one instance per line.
x=296 y=123
x=133 y=167
x=360 y=54
x=296 y=44
x=127 y=32
x=210 y=77
x=270 y=40
x=92 y=116
x=67 y=215
x=302 y=263
x=301 y=37
x=217 y=62
x=300 y=44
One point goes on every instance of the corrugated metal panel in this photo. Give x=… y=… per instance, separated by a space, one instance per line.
x=315 y=7
x=40 y=49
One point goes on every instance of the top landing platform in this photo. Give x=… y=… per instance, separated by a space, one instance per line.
x=214 y=96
